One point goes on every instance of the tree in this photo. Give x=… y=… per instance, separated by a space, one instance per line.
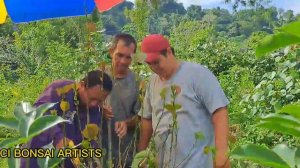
x=171 y=6
x=115 y=18
x=139 y=16
x=247 y=3
x=194 y=12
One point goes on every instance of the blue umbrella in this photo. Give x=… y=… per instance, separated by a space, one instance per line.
x=33 y=10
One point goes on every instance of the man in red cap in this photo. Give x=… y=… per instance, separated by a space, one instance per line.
x=203 y=109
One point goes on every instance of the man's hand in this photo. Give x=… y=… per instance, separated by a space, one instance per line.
x=121 y=128
x=225 y=165
x=107 y=111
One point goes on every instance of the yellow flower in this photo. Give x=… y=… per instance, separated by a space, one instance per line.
x=90 y=132
x=53 y=112
x=71 y=144
x=64 y=105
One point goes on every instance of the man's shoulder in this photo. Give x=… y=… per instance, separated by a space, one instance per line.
x=194 y=66
x=50 y=94
x=153 y=77
x=61 y=83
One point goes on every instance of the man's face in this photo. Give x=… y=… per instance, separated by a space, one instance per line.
x=159 y=65
x=122 y=56
x=93 y=96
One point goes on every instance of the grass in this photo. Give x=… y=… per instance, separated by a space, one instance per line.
x=3 y=161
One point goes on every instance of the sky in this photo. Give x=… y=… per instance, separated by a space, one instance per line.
x=284 y=4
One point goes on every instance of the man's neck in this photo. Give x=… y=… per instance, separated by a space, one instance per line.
x=119 y=75
x=173 y=69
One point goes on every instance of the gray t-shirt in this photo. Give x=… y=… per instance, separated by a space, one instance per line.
x=200 y=96
x=125 y=104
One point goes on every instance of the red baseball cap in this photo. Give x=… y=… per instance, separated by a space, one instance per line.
x=152 y=45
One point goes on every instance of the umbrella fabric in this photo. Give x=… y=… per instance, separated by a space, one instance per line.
x=105 y=5
x=3 y=13
x=33 y=10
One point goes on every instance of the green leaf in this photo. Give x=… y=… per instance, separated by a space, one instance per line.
x=259 y=154
x=297 y=157
x=292 y=109
x=43 y=108
x=274 y=42
x=285 y=124
x=85 y=144
x=13 y=162
x=139 y=157
x=49 y=162
x=169 y=107
x=177 y=106
x=199 y=136
x=287 y=154
x=25 y=122
x=37 y=127
x=44 y=123
x=22 y=109
x=292 y=28
x=152 y=162
x=290 y=84
x=9 y=122
x=17 y=141
x=10 y=142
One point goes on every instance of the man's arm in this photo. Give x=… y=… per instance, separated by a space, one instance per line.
x=132 y=122
x=146 y=133
x=221 y=129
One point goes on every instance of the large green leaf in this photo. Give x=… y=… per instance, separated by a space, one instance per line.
x=25 y=122
x=22 y=109
x=277 y=117
x=285 y=124
x=292 y=109
x=282 y=128
x=287 y=154
x=259 y=154
x=37 y=127
x=13 y=162
x=9 y=122
x=297 y=157
x=49 y=162
x=292 y=28
x=7 y=142
x=42 y=109
x=277 y=41
x=44 y=123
